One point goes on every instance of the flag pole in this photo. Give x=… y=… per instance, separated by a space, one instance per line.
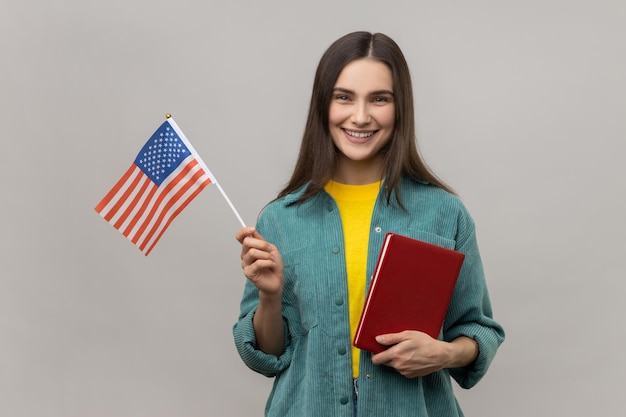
x=232 y=207
x=168 y=116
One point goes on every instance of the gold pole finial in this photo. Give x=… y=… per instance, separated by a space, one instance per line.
x=168 y=116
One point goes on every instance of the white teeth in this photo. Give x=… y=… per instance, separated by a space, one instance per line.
x=359 y=135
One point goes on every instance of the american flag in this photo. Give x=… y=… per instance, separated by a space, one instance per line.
x=166 y=175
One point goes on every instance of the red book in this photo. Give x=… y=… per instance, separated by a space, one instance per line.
x=411 y=289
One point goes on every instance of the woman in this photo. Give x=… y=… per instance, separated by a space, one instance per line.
x=312 y=253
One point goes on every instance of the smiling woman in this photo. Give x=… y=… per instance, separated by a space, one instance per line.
x=309 y=259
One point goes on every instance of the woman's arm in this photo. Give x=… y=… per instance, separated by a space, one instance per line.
x=268 y=325
x=263 y=266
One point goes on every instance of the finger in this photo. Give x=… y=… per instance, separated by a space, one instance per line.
x=390 y=338
x=243 y=232
x=253 y=255
x=248 y=231
x=253 y=270
x=386 y=357
x=380 y=358
x=248 y=243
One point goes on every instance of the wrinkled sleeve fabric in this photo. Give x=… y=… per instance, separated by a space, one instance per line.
x=257 y=360
x=243 y=330
x=470 y=313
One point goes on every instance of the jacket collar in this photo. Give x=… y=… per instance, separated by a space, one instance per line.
x=293 y=197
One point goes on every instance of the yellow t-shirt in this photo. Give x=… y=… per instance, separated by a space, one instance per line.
x=356 y=205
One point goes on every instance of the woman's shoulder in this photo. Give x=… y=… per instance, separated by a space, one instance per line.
x=285 y=218
x=417 y=192
x=273 y=208
x=438 y=208
x=287 y=209
x=281 y=204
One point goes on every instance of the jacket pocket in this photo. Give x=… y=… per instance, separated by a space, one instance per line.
x=430 y=238
x=300 y=293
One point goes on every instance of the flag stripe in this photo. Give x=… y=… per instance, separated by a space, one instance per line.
x=122 y=201
x=107 y=198
x=111 y=210
x=140 y=210
x=134 y=203
x=173 y=208
x=163 y=191
x=177 y=212
x=196 y=180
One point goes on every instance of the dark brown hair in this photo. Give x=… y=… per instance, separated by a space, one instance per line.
x=318 y=154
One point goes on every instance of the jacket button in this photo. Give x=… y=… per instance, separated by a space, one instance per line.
x=344 y=400
x=336 y=249
x=342 y=350
x=339 y=301
x=378 y=229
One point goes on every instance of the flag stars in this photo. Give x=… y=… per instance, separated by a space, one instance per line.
x=162 y=154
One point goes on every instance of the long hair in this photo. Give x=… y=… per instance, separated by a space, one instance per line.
x=318 y=155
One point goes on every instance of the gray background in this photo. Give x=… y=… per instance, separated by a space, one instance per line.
x=520 y=106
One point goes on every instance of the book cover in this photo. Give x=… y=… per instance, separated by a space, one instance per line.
x=411 y=289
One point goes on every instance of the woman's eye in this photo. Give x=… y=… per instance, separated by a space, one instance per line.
x=342 y=97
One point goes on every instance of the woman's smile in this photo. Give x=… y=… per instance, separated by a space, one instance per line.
x=356 y=136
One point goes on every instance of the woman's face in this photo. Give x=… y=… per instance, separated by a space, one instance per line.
x=362 y=112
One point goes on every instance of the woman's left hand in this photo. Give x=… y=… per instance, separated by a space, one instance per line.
x=412 y=353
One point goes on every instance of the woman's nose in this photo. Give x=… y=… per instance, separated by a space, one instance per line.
x=361 y=114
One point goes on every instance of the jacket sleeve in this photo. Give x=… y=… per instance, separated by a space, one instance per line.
x=245 y=339
x=470 y=313
x=243 y=330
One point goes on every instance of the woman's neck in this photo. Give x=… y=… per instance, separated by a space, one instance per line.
x=358 y=172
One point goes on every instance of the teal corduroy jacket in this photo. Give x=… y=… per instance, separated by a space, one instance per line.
x=313 y=375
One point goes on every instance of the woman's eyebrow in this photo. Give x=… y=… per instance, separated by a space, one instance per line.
x=372 y=93
x=381 y=92
x=342 y=90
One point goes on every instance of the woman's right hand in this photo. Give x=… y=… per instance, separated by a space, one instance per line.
x=263 y=266
x=261 y=262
